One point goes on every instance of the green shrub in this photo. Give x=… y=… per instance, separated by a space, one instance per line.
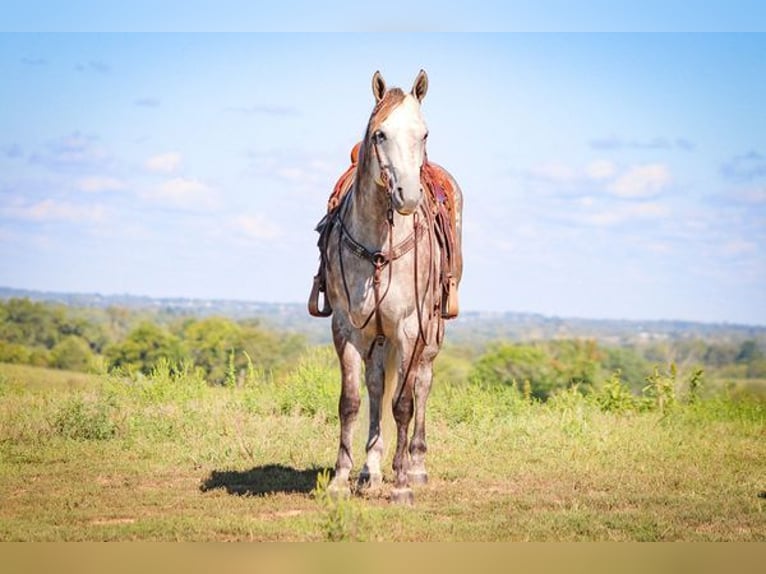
x=78 y=419
x=312 y=387
x=614 y=396
x=340 y=519
x=475 y=402
x=572 y=408
x=144 y=348
x=13 y=353
x=660 y=388
x=167 y=382
x=73 y=353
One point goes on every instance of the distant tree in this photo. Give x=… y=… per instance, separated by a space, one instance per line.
x=221 y=346
x=632 y=366
x=576 y=362
x=506 y=364
x=720 y=354
x=143 y=348
x=29 y=323
x=210 y=342
x=749 y=352
x=14 y=353
x=72 y=353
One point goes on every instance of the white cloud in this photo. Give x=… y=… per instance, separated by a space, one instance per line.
x=641 y=181
x=296 y=169
x=554 y=173
x=600 y=170
x=181 y=190
x=626 y=212
x=54 y=210
x=256 y=227
x=98 y=184
x=750 y=195
x=166 y=163
x=739 y=247
x=73 y=150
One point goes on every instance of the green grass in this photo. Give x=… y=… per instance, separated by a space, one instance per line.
x=168 y=457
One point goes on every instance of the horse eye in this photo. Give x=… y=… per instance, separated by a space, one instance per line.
x=425 y=137
x=379 y=136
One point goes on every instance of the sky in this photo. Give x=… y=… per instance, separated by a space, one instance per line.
x=605 y=175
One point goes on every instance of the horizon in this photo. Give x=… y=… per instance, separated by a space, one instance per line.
x=614 y=176
x=302 y=304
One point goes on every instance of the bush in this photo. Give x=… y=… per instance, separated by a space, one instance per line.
x=661 y=388
x=476 y=402
x=313 y=387
x=80 y=420
x=614 y=396
x=73 y=354
x=545 y=368
x=143 y=349
x=14 y=353
x=510 y=365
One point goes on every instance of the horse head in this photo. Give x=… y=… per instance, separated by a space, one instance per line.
x=394 y=148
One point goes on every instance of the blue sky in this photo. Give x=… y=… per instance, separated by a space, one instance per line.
x=605 y=175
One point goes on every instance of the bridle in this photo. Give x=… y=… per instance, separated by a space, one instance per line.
x=383 y=181
x=383 y=259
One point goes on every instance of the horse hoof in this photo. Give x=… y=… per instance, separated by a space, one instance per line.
x=417 y=478
x=403 y=496
x=369 y=481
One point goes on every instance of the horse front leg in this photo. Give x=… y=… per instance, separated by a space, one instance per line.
x=403 y=409
x=417 y=473
x=371 y=475
x=348 y=408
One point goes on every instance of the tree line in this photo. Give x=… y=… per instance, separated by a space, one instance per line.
x=130 y=341
x=116 y=339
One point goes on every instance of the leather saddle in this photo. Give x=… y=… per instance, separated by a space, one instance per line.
x=443 y=205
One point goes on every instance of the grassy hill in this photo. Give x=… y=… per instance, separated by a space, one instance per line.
x=169 y=457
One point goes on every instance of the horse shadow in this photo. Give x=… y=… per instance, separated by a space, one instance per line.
x=264 y=480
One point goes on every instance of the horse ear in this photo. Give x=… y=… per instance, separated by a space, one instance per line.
x=420 y=87
x=378 y=86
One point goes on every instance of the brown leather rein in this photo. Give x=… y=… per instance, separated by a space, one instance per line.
x=379 y=261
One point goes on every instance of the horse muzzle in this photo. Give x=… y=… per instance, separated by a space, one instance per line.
x=405 y=203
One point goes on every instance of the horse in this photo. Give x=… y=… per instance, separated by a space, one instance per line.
x=389 y=281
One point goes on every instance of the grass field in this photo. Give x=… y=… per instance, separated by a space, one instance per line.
x=171 y=458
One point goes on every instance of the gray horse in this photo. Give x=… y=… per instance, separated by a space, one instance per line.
x=390 y=270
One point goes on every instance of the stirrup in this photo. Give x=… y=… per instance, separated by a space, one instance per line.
x=313 y=306
x=450 y=306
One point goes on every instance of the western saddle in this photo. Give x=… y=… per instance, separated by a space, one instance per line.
x=441 y=200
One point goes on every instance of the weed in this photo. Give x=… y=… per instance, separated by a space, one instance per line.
x=80 y=420
x=340 y=519
x=571 y=406
x=614 y=396
x=253 y=375
x=312 y=388
x=475 y=402
x=231 y=371
x=695 y=385
x=661 y=388
x=166 y=383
